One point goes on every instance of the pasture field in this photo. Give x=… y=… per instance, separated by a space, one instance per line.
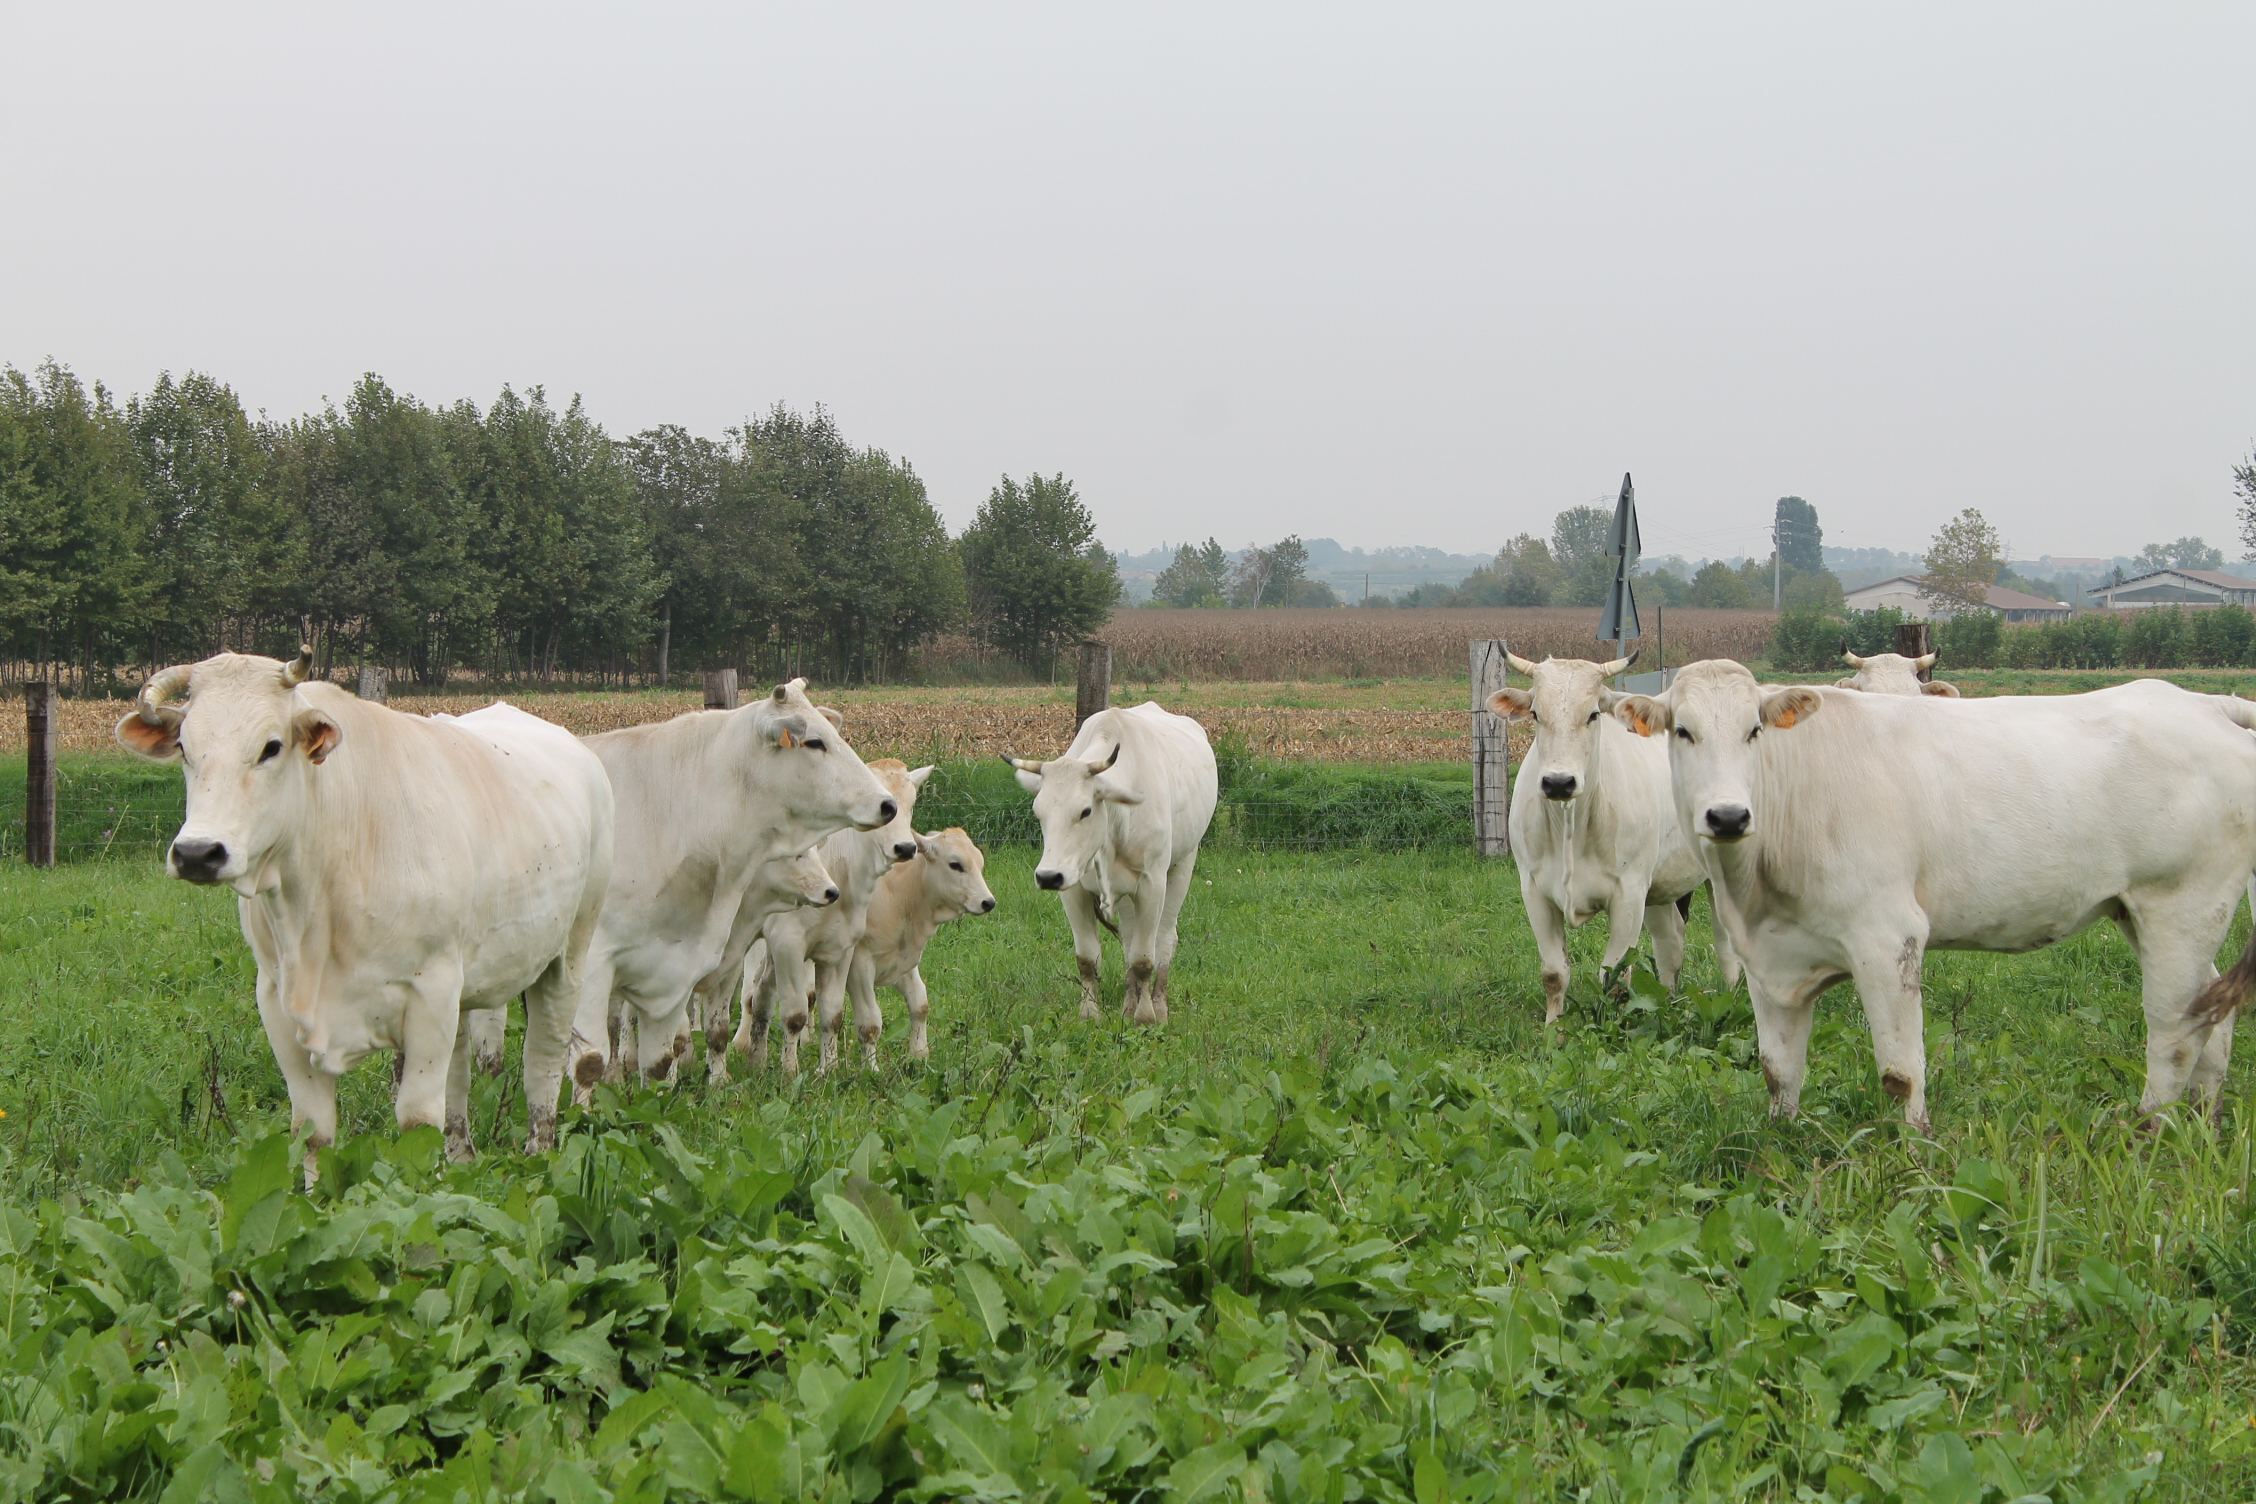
x=1349 y=1228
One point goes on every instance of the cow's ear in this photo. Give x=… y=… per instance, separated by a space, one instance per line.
x=1783 y=708
x=1642 y=714
x=917 y=776
x=1031 y=782
x=1938 y=687
x=1511 y=703
x=316 y=734
x=158 y=743
x=837 y=721
x=787 y=731
x=1116 y=793
x=1844 y=684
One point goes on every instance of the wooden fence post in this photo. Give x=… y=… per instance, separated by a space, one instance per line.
x=720 y=689
x=1492 y=784
x=375 y=683
x=1915 y=639
x=39 y=772
x=1092 y=692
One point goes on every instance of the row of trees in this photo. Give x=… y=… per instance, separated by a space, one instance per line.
x=1202 y=575
x=518 y=541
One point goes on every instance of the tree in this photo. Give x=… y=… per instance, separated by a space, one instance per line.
x=1962 y=563
x=1038 y=578
x=1195 y=578
x=1278 y=576
x=1801 y=542
x=2244 y=486
x=2185 y=553
x=1719 y=587
x=1578 y=543
x=1528 y=571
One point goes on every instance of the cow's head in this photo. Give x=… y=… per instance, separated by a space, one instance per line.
x=1714 y=715
x=1071 y=799
x=248 y=737
x=1893 y=674
x=955 y=874
x=1565 y=703
x=800 y=881
x=897 y=837
x=806 y=769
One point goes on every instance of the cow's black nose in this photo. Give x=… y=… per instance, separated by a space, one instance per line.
x=886 y=810
x=1728 y=822
x=830 y=895
x=1050 y=880
x=1558 y=785
x=987 y=906
x=199 y=861
x=903 y=850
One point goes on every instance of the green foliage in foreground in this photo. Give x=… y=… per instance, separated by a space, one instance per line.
x=1350 y=1228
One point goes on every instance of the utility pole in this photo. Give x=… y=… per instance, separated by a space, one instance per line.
x=1777 y=566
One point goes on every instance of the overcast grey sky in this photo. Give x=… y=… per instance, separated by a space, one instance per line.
x=1388 y=274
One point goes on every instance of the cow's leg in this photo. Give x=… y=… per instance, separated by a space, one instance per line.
x=661 y=1042
x=1178 y=889
x=1887 y=972
x=458 y=1144
x=1625 y=921
x=869 y=1019
x=1665 y=922
x=792 y=994
x=830 y=1001
x=550 y=1005
x=313 y=1093
x=618 y=1027
x=2176 y=954
x=755 y=995
x=1782 y=1035
x=489 y=1027
x=714 y=998
x=1550 y=927
x=920 y=1006
x=1727 y=954
x=1140 y=912
x=587 y=1047
x=1088 y=950
x=2208 y=1084
x=430 y=1029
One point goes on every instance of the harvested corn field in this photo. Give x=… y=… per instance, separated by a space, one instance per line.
x=1357 y=644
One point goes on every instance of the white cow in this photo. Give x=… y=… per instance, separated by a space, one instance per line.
x=946 y=879
x=807 y=954
x=1846 y=835
x=390 y=872
x=1123 y=812
x=705 y=801
x=1893 y=674
x=1594 y=827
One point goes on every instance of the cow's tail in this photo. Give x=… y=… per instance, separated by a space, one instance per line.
x=2241 y=712
x=2221 y=998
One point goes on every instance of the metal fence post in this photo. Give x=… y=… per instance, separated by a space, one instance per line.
x=1492 y=785
x=39 y=772
x=1093 y=691
x=1915 y=639
x=375 y=683
x=720 y=689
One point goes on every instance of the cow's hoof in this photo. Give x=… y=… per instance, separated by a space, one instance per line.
x=491 y=1064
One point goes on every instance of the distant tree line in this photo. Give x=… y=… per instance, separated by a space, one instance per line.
x=519 y=542
x=1203 y=575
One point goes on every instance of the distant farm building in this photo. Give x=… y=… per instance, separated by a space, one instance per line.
x=1902 y=593
x=2175 y=587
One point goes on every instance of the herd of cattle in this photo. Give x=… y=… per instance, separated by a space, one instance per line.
x=1843 y=832
x=401 y=878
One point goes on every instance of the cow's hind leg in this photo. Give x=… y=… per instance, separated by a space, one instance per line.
x=551 y=1004
x=1178 y=889
x=1088 y=949
x=2176 y=949
x=589 y=1030
x=755 y=999
x=489 y=1028
x=1665 y=922
x=458 y=1143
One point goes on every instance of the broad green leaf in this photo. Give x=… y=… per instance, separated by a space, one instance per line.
x=1204 y=1471
x=985 y=1297
x=860 y=1414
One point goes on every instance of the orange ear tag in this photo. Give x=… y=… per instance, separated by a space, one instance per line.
x=1786 y=719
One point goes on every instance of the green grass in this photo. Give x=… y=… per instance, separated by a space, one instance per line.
x=1351 y=1227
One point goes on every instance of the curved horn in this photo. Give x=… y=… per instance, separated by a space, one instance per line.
x=1851 y=659
x=1615 y=667
x=162 y=686
x=1108 y=762
x=1023 y=764
x=1519 y=665
x=294 y=672
x=1923 y=662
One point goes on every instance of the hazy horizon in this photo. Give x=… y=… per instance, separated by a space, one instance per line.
x=1389 y=277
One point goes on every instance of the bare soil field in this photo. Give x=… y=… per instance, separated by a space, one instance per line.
x=1387 y=644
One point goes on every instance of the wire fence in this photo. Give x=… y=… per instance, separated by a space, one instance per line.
x=115 y=807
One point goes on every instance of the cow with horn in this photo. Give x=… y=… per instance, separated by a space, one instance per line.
x=1892 y=674
x=1594 y=826
x=390 y=871
x=1123 y=812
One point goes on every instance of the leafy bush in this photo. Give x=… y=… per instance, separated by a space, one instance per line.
x=1806 y=641
x=1970 y=641
x=2156 y=638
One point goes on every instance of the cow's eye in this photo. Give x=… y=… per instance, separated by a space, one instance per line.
x=1755 y=733
x=1680 y=731
x=271 y=751
x=1088 y=812
x=955 y=866
x=1533 y=716
x=816 y=744
x=1593 y=719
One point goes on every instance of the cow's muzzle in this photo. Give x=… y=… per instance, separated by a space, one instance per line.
x=1560 y=786
x=903 y=850
x=1729 y=822
x=197 y=860
x=1048 y=880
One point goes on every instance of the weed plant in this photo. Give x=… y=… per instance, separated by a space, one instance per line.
x=1352 y=1227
